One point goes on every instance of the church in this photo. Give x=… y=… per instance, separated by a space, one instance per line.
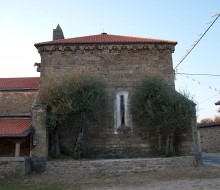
x=120 y=62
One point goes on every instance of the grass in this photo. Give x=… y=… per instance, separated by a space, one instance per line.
x=26 y=184
x=99 y=180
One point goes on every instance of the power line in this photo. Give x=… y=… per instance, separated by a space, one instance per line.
x=198 y=82
x=197 y=41
x=211 y=75
x=208 y=98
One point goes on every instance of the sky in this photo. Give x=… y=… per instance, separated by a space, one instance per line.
x=26 y=22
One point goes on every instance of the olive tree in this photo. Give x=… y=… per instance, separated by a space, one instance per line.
x=161 y=110
x=77 y=98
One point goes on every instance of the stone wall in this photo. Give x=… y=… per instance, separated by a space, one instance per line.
x=117 y=70
x=40 y=138
x=210 y=139
x=21 y=166
x=14 y=166
x=16 y=102
x=118 y=166
x=120 y=67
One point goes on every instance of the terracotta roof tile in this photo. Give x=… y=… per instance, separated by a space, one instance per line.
x=14 y=126
x=104 y=38
x=19 y=83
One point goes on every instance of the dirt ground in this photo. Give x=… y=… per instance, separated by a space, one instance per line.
x=191 y=178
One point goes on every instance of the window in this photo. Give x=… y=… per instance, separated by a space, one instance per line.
x=122 y=115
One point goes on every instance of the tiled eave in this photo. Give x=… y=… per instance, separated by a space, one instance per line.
x=15 y=126
x=20 y=83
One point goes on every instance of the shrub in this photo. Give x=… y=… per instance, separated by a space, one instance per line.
x=77 y=98
x=161 y=111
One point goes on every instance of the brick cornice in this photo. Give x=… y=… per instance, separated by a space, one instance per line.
x=113 y=48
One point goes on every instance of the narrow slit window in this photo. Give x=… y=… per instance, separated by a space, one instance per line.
x=122 y=117
x=122 y=110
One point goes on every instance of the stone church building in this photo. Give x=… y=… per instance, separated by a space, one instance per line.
x=120 y=62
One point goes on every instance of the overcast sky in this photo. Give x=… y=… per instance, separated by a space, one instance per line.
x=26 y=22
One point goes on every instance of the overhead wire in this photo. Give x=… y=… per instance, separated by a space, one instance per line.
x=208 y=99
x=199 y=74
x=195 y=43
x=217 y=15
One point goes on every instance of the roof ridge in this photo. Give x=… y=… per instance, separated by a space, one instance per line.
x=105 y=38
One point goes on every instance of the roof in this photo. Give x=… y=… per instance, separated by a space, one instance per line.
x=15 y=127
x=105 y=38
x=212 y=124
x=19 y=83
x=217 y=103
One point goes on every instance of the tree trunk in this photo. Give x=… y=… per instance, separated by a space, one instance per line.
x=167 y=144
x=171 y=149
x=54 y=142
x=159 y=141
x=78 y=147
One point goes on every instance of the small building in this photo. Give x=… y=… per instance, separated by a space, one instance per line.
x=16 y=98
x=120 y=62
x=210 y=137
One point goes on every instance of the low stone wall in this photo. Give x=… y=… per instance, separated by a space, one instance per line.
x=210 y=139
x=117 y=166
x=18 y=166
x=14 y=166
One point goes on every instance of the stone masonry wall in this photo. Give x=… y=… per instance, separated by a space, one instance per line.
x=120 y=67
x=14 y=166
x=40 y=138
x=18 y=166
x=16 y=102
x=119 y=166
x=210 y=139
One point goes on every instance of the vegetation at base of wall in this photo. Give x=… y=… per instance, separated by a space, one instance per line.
x=210 y=120
x=78 y=100
x=162 y=111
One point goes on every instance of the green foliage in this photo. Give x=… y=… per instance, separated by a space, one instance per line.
x=160 y=109
x=149 y=102
x=76 y=99
x=72 y=96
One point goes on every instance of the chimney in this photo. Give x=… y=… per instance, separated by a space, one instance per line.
x=58 y=33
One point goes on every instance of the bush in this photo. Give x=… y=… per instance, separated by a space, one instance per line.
x=161 y=111
x=76 y=99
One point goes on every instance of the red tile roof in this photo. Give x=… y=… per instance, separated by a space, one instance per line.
x=217 y=103
x=14 y=126
x=19 y=83
x=104 y=38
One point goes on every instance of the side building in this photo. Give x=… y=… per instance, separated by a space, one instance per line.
x=16 y=98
